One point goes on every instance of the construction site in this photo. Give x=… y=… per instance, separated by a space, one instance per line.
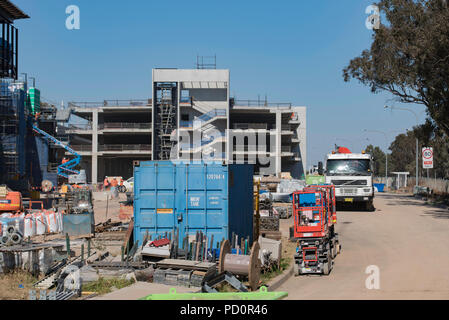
x=70 y=175
x=188 y=193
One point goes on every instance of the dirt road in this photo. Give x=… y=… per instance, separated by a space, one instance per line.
x=405 y=238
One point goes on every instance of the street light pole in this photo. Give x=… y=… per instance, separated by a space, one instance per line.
x=416 y=138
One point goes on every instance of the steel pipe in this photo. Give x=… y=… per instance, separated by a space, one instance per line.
x=16 y=238
x=10 y=229
x=5 y=239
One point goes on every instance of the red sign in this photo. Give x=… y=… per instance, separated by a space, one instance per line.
x=427 y=157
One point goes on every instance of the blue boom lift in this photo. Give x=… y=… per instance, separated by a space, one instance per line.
x=66 y=168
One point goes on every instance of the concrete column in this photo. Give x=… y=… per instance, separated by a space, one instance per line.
x=301 y=132
x=278 y=143
x=95 y=147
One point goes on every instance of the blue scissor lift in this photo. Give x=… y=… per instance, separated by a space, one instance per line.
x=65 y=169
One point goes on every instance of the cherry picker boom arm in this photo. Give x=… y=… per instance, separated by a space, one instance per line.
x=66 y=168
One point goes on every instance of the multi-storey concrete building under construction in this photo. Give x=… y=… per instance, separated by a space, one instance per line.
x=191 y=117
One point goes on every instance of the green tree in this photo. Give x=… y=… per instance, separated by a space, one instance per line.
x=402 y=156
x=378 y=159
x=409 y=56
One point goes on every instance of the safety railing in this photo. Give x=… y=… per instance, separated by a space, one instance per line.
x=124 y=147
x=124 y=125
x=81 y=147
x=287 y=127
x=211 y=114
x=206 y=140
x=246 y=126
x=258 y=103
x=84 y=126
x=113 y=103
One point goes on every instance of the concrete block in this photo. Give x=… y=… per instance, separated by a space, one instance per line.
x=270 y=245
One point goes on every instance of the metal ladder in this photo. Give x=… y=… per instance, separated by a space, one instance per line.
x=167 y=116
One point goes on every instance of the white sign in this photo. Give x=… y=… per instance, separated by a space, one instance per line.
x=427 y=158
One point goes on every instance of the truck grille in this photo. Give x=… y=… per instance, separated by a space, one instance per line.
x=352 y=183
x=348 y=191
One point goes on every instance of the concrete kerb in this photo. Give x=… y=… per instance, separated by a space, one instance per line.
x=280 y=279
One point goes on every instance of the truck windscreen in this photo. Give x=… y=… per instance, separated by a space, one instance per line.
x=355 y=167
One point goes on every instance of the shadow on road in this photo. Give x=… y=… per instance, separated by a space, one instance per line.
x=437 y=214
x=435 y=210
x=361 y=207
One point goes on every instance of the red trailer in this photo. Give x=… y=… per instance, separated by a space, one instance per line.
x=331 y=213
x=311 y=232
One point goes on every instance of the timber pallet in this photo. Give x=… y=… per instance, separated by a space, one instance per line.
x=183 y=276
x=185 y=264
x=119 y=265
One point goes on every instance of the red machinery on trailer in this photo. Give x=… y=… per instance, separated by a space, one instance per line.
x=311 y=231
x=10 y=201
x=331 y=207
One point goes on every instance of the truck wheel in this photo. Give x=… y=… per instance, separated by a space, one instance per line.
x=370 y=206
x=334 y=249
x=328 y=265
x=326 y=269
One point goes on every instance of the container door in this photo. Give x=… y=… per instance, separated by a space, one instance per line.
x=154 y=207
x=205 y=205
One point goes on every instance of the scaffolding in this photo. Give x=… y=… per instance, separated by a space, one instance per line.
x=206 y=62
x=12 y=131
x=13 y=114
x=165 y=119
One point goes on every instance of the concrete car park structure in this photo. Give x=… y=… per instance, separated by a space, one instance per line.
x=191 y=116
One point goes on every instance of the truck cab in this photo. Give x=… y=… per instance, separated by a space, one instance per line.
x=352 y=175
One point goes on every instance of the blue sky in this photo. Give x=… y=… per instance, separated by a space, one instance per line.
x=291 y=51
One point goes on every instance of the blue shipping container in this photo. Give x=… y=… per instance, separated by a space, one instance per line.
x=211 y=197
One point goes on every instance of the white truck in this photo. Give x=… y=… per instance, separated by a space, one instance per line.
x=352 y=175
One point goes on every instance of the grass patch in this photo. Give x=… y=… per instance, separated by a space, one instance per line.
x=16 y=285
x=275 y=271
x=103 y=286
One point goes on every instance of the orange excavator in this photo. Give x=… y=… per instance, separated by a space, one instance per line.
x=10 y=201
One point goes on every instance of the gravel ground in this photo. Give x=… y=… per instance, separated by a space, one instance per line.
x=405 y=238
